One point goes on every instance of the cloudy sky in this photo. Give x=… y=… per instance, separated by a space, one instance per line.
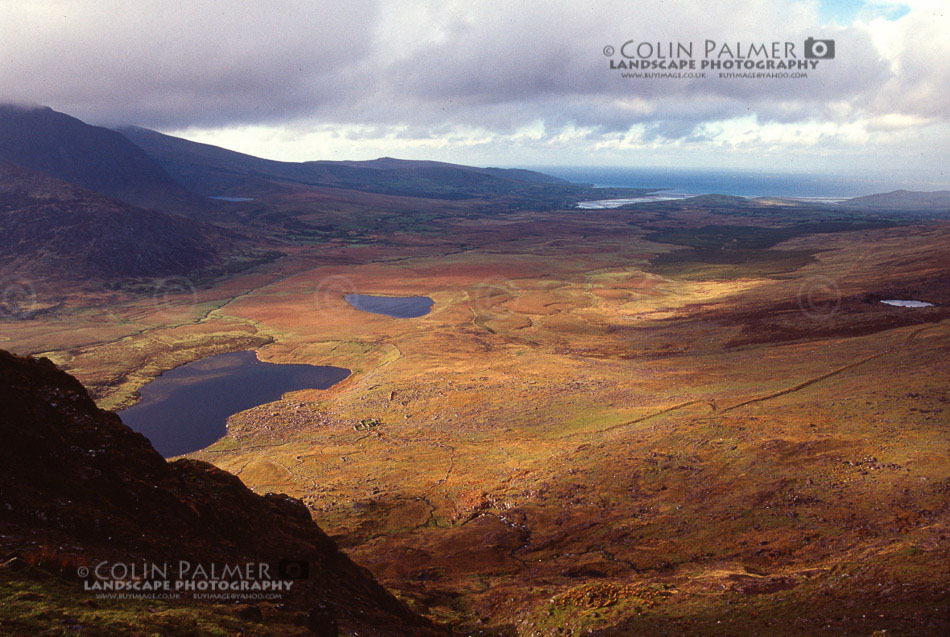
x=498 y=82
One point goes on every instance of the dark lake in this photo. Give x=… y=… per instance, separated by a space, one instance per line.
x=394 y=306
x=186 y=408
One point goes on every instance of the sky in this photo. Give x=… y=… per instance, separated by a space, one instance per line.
x=497 y=83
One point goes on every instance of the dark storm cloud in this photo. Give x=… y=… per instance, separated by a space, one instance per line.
x=425 y=66
x=183 y=63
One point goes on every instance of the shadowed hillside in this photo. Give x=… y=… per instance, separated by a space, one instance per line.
x=89 y=156
x=50 y=229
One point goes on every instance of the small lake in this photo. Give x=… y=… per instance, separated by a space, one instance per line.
x=394 y=306
x=187 y=408
x=900 y=303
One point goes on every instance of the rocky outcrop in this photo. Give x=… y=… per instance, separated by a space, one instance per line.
x=73 y=477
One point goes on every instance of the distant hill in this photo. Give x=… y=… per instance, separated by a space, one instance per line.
x=93 y=157
x=211 y=171
x=936 y=201
x=79 y=488
x=50 y=229
x=701 y=201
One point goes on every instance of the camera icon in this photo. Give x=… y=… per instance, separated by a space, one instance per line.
x=293 y=569
x=819 y=49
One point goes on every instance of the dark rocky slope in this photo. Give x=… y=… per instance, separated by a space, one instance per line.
x=75 y=480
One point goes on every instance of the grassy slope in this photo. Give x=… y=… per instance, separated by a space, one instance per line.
x=40 y=602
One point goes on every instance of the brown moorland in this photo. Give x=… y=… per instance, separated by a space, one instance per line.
x=598 y=427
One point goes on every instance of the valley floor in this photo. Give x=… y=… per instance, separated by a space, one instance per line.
x=577 y=439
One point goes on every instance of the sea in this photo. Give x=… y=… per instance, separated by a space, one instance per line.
x=731 y=182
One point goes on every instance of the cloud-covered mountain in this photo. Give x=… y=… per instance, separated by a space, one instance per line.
x=95 y=158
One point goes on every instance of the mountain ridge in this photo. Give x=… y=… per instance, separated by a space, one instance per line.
x=896 y=200
x=213 y=171
x=96 y=158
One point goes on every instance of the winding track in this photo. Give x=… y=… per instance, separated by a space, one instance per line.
x=782 y=392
